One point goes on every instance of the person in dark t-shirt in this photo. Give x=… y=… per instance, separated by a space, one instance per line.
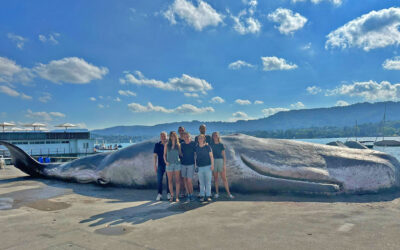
x=219 y=164
x=205 y=163
x=202 y=130
x=159 y=164
x=188 y=148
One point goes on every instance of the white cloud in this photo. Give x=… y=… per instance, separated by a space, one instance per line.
x=392 y=64
x=335 y=2
x=117 y=99
x=101 y=106
x=306 y=47
x=246 y=25
x=185 y=83
x=13 y=93
x=19 y=40
x=341 y=103
x=271 y=111
x=313 y=90
x=44 y=116
x=297 y=105
x=45 y=97
x=126 y=93
x=240 y=115
x=198 y=17
x=70 y=70
x=183 y=109
x=288 y=21
x=239 y=64
x=194 y=95
x=93 y=99
x=12 y=72
x=51 y=38
x=275 y=63
x=217 y=99
x=257 y=102
x=243 y=102
x=377 y=29
x=370 y=91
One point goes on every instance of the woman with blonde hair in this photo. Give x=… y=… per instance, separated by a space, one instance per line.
x=218 y=150
x=172 y=162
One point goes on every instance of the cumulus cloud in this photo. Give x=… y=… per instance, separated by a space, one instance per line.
x=239 y=64
x=45 y=97
x=93 y=99
x=50 y=38
x=185 y=83
x=70 y=70
x=240 y=115
x=243 y=102
x=341 y=103
x=198 y=17
x=101 y=106
x=183 y=109
x=257 y=102
x=13 y=93
x=297 y=105
x=335 y=2
x=392 y=64
x=288 y=21
x=44 y=116
x=126 y=93
x=377 y=29
x=117 y=99
x=194 y=95
x=217 y=100
x=275 y=63
x=313 y=90
x=370 y=91
x=271 y=111
x=245 y=22
x=18 y=40
x=12 y=72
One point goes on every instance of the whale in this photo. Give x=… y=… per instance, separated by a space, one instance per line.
x=253 y=165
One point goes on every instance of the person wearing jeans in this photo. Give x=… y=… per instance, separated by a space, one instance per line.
x=205 y=163
x=159 y=165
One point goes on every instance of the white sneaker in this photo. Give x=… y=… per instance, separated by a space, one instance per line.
x=216 y=196
x=168 y=196
x=231 y=196
x=158 y=197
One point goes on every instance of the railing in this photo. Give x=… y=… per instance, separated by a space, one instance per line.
x=59 y=151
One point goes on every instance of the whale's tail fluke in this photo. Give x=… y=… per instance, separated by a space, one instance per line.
x=23 y=161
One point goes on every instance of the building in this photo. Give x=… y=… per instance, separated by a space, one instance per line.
x=72 y=142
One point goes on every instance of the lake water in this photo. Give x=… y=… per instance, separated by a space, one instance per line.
x=395 y=151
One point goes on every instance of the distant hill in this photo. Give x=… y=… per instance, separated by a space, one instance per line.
x=293 y=119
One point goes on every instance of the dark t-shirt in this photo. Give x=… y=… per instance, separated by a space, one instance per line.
x=217 y=150
x=203 y=156
x=188 y=153
x=159 y=150
x=208 y=139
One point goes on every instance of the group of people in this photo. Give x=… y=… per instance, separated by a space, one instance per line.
x=180 y=157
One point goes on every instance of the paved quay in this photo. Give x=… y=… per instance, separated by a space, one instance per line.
x=49 y=214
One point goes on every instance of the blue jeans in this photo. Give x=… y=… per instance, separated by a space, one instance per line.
x=205 y=180
x=160 y=175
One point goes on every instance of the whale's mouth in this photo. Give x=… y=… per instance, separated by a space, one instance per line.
x=308 y=175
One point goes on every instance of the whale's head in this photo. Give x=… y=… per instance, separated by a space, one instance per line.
x=301 y=164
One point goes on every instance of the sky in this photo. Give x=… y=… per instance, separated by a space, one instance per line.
x=107 y=63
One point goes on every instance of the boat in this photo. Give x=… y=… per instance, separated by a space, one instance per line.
x=383 y=142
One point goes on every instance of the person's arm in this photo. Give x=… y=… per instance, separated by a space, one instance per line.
x=224 y=156
x=195 y=158
x=155 y=162
x=212 y=160
x=165 y=155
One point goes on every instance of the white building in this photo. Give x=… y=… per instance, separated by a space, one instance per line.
x=73 y=142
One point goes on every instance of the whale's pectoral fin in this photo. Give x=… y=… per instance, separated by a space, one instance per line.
x=23 y=161
x=103 y=181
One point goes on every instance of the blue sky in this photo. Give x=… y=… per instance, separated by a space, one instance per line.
x=108 y=63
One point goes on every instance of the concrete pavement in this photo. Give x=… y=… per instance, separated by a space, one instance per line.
x=49 y=214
